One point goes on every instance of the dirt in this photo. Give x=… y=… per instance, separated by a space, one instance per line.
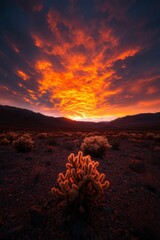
x=129 y=209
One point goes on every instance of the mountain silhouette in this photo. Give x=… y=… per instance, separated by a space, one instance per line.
x=18 y=118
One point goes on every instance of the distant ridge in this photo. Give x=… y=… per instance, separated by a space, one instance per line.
x=18 y=118
x=138 y=121
x=13 y=118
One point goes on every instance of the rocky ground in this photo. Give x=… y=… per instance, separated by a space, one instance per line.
x=130 y=207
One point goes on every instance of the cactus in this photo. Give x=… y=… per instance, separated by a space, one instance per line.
x=95 y=146
x=82 y=183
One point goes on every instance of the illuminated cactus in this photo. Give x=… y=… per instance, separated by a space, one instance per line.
x=81 y=183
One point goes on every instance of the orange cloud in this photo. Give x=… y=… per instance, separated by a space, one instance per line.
x=72 y=95
x=128 y=53
x=15 y=48
x=22 y=75
x=83 y=89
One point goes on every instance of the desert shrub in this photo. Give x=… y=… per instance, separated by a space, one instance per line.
x=41 y=135
x=11 y=136
x=150 y=136
x=123 y=135
x=4 y=141
x=133 y=135
x=157 y=138
x=2 y=135
x=95 y=146
x=82 y=184
x=23 y=143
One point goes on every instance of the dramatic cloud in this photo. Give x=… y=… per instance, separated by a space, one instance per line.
x=81 y=59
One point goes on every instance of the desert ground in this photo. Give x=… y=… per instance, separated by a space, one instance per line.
x=129 y=209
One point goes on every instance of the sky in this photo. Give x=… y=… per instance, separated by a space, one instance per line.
x=92 y=60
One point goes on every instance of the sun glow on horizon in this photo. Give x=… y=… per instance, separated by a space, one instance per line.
x=93 y=119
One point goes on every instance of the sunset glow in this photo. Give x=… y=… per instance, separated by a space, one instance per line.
x=22 y=75
x=85 y=60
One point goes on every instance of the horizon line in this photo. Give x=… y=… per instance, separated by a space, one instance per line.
x=94 y=120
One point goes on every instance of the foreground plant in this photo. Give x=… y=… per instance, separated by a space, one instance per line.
x=81 y=185
x=95 y=146
x=24 y=143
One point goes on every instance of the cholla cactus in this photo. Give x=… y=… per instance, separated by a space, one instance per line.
x=23 y=143
x=95 y=146
x=82 y=183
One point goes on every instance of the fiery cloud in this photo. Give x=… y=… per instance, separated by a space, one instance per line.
x=22 y=75
x=82 y=59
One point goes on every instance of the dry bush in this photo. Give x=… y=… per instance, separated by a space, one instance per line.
x=2 y=135
x=123 y=135
x=11 y=136
x=82 y=184
x=24 y=143
x=157 y=138
x=42 y=135
x=95 y=146
x=150 y=136
x=4 y=141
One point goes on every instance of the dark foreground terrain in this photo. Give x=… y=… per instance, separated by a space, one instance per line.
x=130 y=207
